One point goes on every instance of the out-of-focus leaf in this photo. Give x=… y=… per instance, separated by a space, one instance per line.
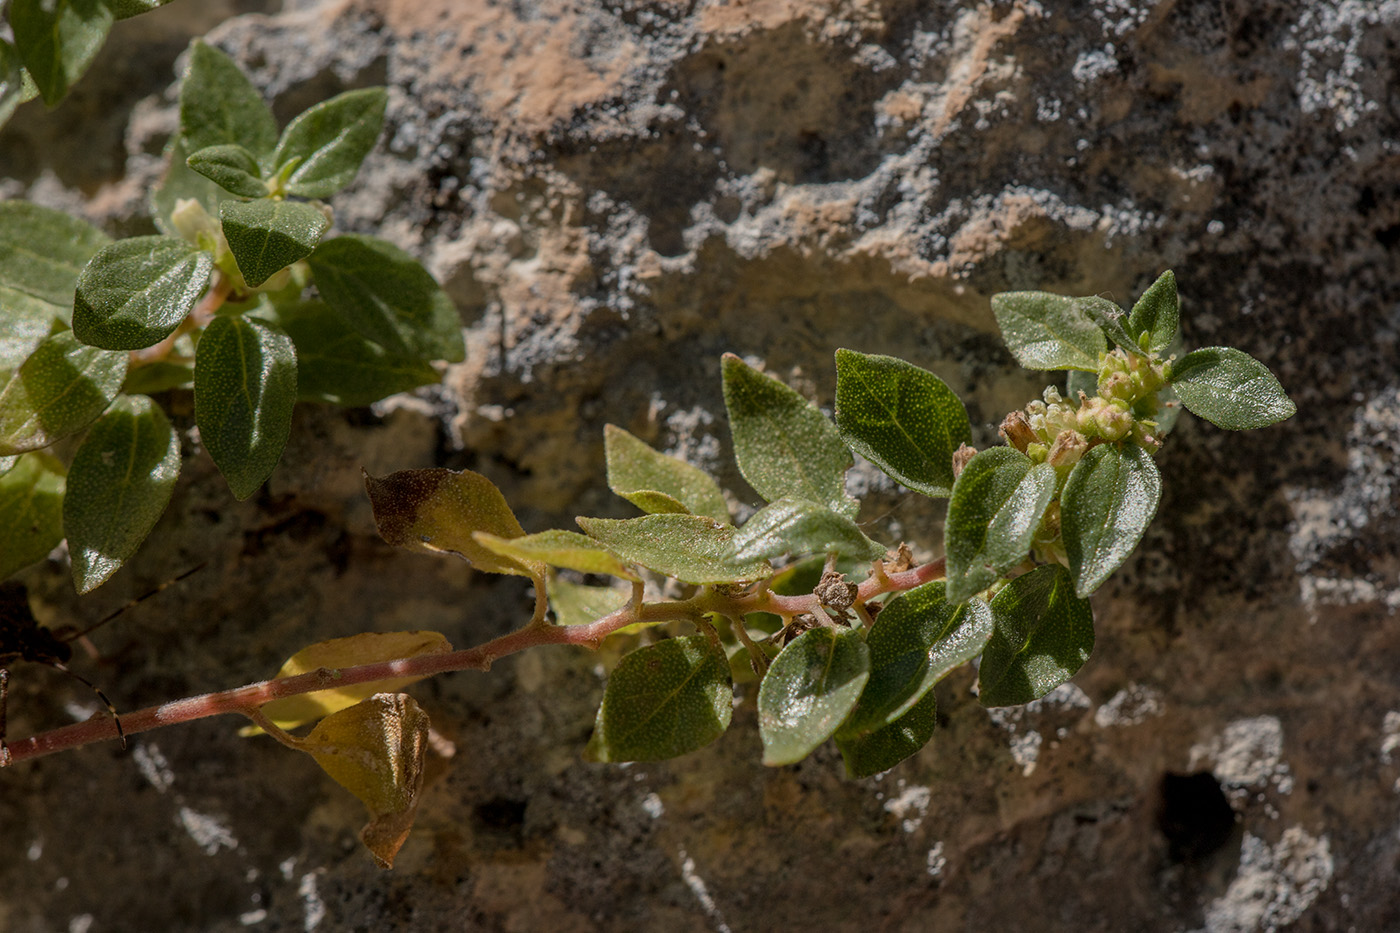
x=158 y=376
x=690 y=548
x=810 y=687
x=873 y=752
x=57 y=40
x=800 y=526
x=11 y=81
x=267 y=235
x=654 y=482
x=119 y=484
x=1042 y=636
x=1230 y=389
x=124 y=9
x=335 y=364
x=1106 y=505
x=135 y=292
x=327 y=142
x=182 y=184
x=31 y=510
x=57 y=391
x=1047 y=331
x=558 y=549
x=577 y=604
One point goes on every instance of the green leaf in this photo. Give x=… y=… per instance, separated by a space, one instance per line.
x=438 y=511
x=118 y=486
x=784 y=446
x=388 y=297
x=219 y=105
x=42 y=252
x=901 y=418
x=135 y=292
x=157 y=376
x=1043 y=634
x=916 y=640
x=800 y=526
x=1077 y=380
x=266 y=236
x=997 y=504
x=11 y=81
x=231 y=167
x=654 y=482
x=577 y=604
x=1046 y=331
x=664 y=700
x=57 y=391
x=180 y=184
x=1110 y=318
x=1106 y=505
x=31 y=511
x=57 y=40
x=690 y=548
x=327 y=142
x=808 y=690
x=335 y=364
x=873 y=752
x=558 y=549
x=1230 y=389
x=1155 y=318
x=125 y=9
x=245 y=384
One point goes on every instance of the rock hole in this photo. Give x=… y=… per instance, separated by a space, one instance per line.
x=1195 y=816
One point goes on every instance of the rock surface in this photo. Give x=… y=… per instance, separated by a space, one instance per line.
x=615 y=193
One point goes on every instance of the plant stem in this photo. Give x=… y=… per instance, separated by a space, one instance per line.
x=247 y=700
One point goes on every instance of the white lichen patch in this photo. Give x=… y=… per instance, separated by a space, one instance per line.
x=153 y=766
x=910 y=806
x=1248 y=754
x=652 y=806
x=936 y=861
x=1134 y=704
x=1274 y=884
x=702 y=894
x=208 y=832
x=1390 y=736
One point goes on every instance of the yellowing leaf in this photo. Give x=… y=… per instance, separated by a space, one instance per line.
x=375 y=750
x=352 y=651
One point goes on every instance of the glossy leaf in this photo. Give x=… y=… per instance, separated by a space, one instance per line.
x=388 y=297
x=436 y=511
x=996 y=506
x=873 y=752
x=375 y=750
x=916 y=640
x=1042 y=636
x=664 y=700
x=124 y=9
x=231 y=167
x=901 y=418
x=1155 y=318
x=135 y=292
x=11 y=81
x=266 y=235
x=1110 y=318
x=690 y=548
x=809 y=689
x=1047 y=331
x=335 y=364
x=119 y=484
x=57 y=391
x=350 y=651
x=327 y=143
x=558 y=549
x=245 y=384
x=42 y=251
x=1230 y=389
x=577 y=604
x=219 y=105
x=31 y=511
x=57 y=40
x=654 y=482
x=1106 y=505
x=799 y=526
x=784 y=446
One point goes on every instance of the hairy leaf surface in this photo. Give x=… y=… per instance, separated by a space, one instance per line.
x=1230 y=389
x=654 y=482
x=1155 y=318
x=1042 y=636
x=31 y=510
x=135 y=292
x=809 y=689
x=58 y=390
x=996 y=506
x=1048 y=331
x=1106 y=505
x=800 y=526
x=873 y=752
x=691 y=548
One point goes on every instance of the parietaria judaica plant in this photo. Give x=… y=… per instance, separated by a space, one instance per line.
x=845 y=636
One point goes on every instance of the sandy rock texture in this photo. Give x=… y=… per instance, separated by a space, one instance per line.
x=615 y=192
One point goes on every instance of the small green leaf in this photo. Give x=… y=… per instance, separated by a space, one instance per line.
x=1043 y=634
x=1157 y=314
x=1109 y=317
x=388 y=297
x=180 y=184
x=901 y=418
x=42 y=252
x=800 y=526
x=245 y=384
x=134 y=293
x=1106 y=505
x=784 y=446
x=31 y=510
x=335 y=364
x=654 y=482
x=558 y=549
x=997 y=504
x=873 y=752
x=57 y=391
x=664 y=700
x=916 y=640
x=690 y=548
x=11 y=81
x=266 y=236
x=808 y=691
x=57 y=40
x=438 y=511
x=231 y=167
x=125 y=9
x=328 y=142
x=1046 y=331
x=219 y=105
x=576 y=604
x=1230 y=389
x=118 y=486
